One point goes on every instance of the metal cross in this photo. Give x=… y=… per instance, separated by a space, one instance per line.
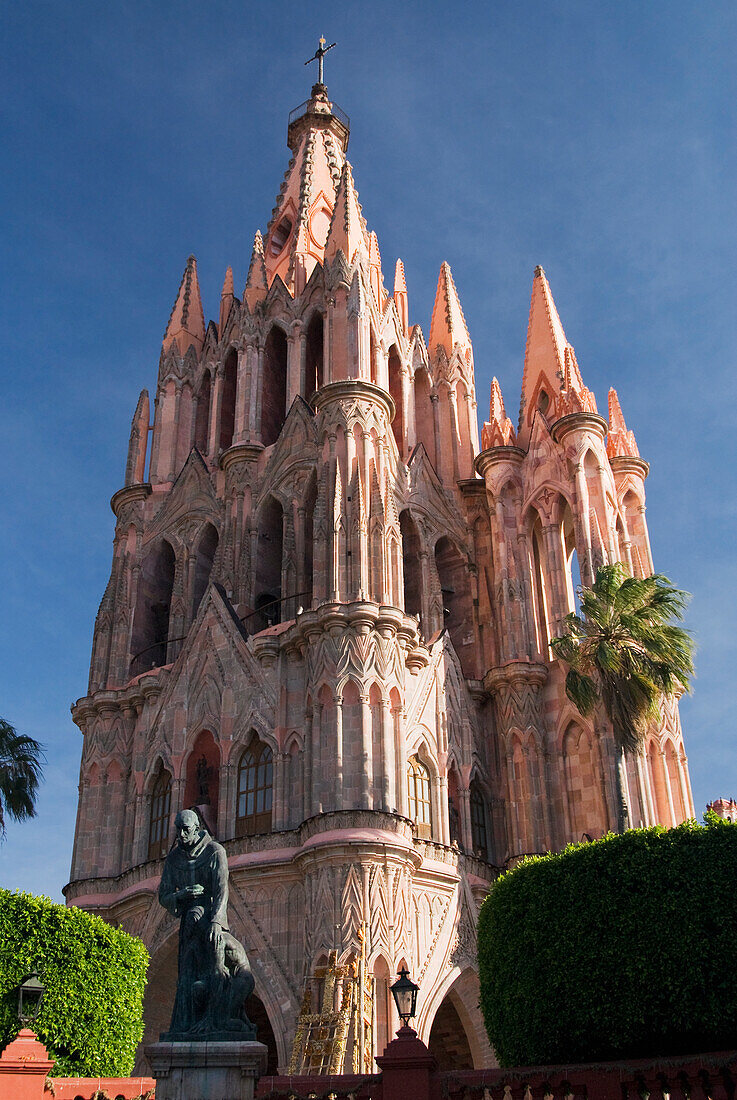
x=322 y=49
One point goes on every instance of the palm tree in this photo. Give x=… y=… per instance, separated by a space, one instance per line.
x=625 y=653
x=21 y=770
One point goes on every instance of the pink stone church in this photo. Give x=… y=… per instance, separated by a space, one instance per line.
x=328 y=618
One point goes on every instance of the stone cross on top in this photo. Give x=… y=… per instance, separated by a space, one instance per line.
x=320 y=52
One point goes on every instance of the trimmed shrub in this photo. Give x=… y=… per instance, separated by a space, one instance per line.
x=625 y=947
x=91 y=1018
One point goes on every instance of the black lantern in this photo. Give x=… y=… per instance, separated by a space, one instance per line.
x=30 y=996
x=404 y=992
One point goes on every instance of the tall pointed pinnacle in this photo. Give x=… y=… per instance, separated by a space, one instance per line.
x=135 y=467
x=256 y=283
x=498 y=430
x=347 y=233
x=400 y=296
x=448 y=325
x=376 y=277
x=187 y=320
x=551 y=380
x=295 y=238
x=620 y=441
x=227 y=297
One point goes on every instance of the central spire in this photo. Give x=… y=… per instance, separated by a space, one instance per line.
x=295 y=238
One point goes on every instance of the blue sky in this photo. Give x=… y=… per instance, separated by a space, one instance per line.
x=596 y=139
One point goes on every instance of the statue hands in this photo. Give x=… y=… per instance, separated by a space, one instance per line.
x=195 y=891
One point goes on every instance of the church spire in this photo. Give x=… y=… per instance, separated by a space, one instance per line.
x=551 y=381
x=187 y=321
x=295 y=238
x=448 y=325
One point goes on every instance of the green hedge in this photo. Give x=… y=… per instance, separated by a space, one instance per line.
x=91 y=1019
x=625 y=947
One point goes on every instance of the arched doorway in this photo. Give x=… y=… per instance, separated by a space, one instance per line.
x=448 y=1042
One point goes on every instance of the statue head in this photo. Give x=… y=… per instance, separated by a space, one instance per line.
x=188 y=828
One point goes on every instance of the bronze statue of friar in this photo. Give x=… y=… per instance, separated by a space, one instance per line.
x=214 y=976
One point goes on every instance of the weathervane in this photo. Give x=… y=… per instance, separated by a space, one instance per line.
x=320 y=52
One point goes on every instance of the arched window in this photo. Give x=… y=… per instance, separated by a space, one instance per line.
x=454 y=816
x=158 y=831
x=313 y=357
x=274 y=392
x=418 y=796
x=151 y=620
x=478 y=821
x=227 y=404
x=255 y=789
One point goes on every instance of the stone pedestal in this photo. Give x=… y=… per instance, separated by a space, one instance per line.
x=24 y=1065
x=206 y=1071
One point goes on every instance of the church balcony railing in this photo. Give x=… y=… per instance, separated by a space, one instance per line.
x=304 y=109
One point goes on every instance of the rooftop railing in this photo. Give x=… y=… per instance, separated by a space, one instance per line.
x=304 y=109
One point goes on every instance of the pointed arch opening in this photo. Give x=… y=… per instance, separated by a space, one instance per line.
x=202 y=780
x=309 y=542
x=412 y=563
x=542 y=610
x=454 y=812
x=207 y=545
x=227 y=403
x=583 y=784
x=634 y=513
x=202 y=419
x=573 y=568
x=479 y=829
x=395 y=390
x=456 y=594
x=448 y=1042
x=424 y=420
x=255 y=789
x=268 y=591
x=274 y=386
x=150 y=636
x=159 y=815
x=314 y=356
x=256 y=1013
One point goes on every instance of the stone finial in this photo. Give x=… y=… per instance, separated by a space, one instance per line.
x=400 y=296
x=620 y=441
x=498 y=431
x=256 y=283
x=227 y=297
x=347 y=230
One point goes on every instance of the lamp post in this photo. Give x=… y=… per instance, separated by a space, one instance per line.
x=30 y=997
x=404 y=992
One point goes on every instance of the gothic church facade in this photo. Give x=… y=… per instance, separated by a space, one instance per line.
x=328 y=618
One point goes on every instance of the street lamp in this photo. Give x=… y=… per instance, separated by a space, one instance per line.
x=404 y=992
x=30 y=996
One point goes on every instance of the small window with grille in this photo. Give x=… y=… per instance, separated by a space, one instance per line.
x=418 y=784
x=158 y=832
x=255 y=789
